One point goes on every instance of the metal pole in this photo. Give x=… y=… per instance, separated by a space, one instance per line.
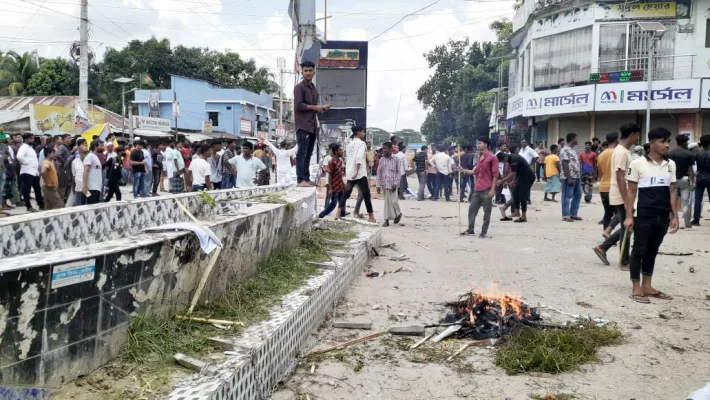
x=282 y=65
x=130 y=124
x=648 y=91
x=84 y=54
x=176 y=117
x=123 y=108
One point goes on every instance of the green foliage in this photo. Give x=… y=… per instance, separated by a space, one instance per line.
x=207 y=199
x=15 y=73
x=456 y=96
x=554 y=351
x=54 y=77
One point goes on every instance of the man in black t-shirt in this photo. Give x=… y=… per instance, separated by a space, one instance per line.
x=138 y=165
x=157 y=156
x=524 y=179
x=685 y=178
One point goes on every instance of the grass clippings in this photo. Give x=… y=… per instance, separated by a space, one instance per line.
x=157 y=339
x=554 y=350
x=274 y=198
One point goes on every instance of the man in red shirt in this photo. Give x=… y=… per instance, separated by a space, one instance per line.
x=486 y=177
x=336 y=185
x=588 y=162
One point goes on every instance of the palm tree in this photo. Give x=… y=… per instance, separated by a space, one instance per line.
x=15 y=72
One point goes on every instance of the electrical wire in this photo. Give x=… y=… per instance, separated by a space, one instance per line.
x=440 y=30
x=403 y=18
x=25 y=25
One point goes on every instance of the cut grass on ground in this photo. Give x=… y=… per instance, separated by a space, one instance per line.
x=554 y=351
x=158 y=339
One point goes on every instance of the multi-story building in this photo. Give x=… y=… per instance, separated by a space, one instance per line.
x=583 y=66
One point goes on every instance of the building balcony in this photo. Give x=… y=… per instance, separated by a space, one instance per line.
x=667 y=67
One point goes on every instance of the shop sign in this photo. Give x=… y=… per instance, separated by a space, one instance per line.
x=675 y=94
x=637 y=10
x=151 y=124
x=335 y=58
x=559 y=101
x=515 y=105
x=705 y=95
x=245 y=126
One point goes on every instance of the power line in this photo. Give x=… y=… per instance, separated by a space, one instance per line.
x=403 y=18
x=440 y=30
x=26 y=23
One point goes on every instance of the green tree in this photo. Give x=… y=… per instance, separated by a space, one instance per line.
x=457 y=95
x=54 y=77
x=15 y=73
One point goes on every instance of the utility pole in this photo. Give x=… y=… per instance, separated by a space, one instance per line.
x=84 y=55
x=282 y=65
x=176 y=113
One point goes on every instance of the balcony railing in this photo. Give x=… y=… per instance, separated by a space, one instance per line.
x=664 y=67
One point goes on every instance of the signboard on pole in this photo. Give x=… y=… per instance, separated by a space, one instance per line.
x=207 y=126
x=245 y=126
x=176 y=109
x=280 y=131
x=675 y=94
x=154 y=104
x=151 y=124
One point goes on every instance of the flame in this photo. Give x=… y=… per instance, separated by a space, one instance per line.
x=511 y=305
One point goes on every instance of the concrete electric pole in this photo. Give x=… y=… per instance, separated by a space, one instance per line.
x=84 y=55
x=282 y=66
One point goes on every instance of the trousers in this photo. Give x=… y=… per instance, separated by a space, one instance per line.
x=306 y=141
x=700 y=188
x=620 y=213
x=478 y=199
x=139 y=185
x=608 y=209
x=31 y=182
x=521 y=194
x=421 y=177
x=571 y=197
x=648 y=236
x=466 y=180
x=362 y=187
x=334 y=200
x=442 y=181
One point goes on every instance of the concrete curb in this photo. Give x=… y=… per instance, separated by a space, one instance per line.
x=266 y=353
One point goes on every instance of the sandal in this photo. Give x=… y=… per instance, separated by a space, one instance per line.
x=467 y=233
x=660 y=295
x=521 y=220
x=639 y=298
x=506 y=219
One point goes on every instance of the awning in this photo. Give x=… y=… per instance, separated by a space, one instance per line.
x=145 y=132
x=197 y=137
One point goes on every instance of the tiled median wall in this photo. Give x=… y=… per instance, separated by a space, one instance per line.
x=64 y=313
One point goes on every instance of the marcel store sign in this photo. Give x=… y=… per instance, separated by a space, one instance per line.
x=675 y=94
x=337 y=58
x=559 y=101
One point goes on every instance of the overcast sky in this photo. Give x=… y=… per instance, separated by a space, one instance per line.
x=261 y=29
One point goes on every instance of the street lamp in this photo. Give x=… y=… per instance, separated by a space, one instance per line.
x=123 y=82
x=656 y=31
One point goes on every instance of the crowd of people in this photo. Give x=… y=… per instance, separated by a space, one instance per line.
x=66 y=171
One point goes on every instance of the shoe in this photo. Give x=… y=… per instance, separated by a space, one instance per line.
x=386 y=223
x=602 y=255
x=695 y=223
x=506 y=219
x=568 y=219
x=576 y=218
x=32 y=210
x=482 y=236
x=398 y=218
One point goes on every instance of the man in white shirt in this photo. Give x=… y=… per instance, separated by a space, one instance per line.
x=29 y=172
x=442 y=163
x=527 y=152
x=93 y=183
x=402 y=157
x=356 y=173
x=246 y=166
x=201 y=170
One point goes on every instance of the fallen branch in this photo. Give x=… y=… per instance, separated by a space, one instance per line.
x=208 y=320
x=421 y=342
x=470 y=344
x=674 y=253
x=346 y=344
x=421 y=245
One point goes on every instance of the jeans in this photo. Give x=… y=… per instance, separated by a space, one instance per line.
x=608 y=209
x=147 y=183
x=306 y=141
x=94 y=197
x=421 y=177
x=571 y=197
x=477 y=199
x=362 y=187
x=540 y=171
x=700 y=188
x=139 y=184
x=228 y=181
x=3 y=178
x=442 y=181
x=31 y=182
x=157 y=174
x=198 y=188
x=334 y=200
x=125 y=173
x=430 y=183
x=403 y=186
x=358 y=202
x=620 y=212
x=683 y=186
x=466 y=180
x=648 y=236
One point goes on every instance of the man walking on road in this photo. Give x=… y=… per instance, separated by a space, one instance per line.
x=420 y=162
x=684 y=160
x=483 y=190
x=570 y=177
x=467 y=163
x=29 y=172
x=604 y=167
x=305 y=98
x=620 y=161
x=389 y=176
x=356 y=173
x=401 y=156
x=702 y=181
x=652 y=193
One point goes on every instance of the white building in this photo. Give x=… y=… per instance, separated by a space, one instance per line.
x=560 y=43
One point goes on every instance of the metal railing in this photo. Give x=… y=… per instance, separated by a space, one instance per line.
x=664 y=67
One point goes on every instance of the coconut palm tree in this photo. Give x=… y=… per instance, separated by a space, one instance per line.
x=15 y=72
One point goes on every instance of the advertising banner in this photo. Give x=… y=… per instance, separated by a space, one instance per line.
x=53 y=120
x=515 y=105
x=337 y=58
x=675 y=94
x=151 y=124
x=207 y=126
x=637 y=10
x=245 y=126
x=559 y=101
x=705 y=95
x=154 y=104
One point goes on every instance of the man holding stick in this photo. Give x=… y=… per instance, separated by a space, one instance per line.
x=485 y=181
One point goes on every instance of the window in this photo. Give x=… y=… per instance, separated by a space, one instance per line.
x=214 y=117
x=624 y=47
x=707 y=33
x=562 y=59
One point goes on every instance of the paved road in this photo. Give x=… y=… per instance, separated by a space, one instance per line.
x=545 y=261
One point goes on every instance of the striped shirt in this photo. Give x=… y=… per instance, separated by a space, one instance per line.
x=654 y=186
x=389 y=172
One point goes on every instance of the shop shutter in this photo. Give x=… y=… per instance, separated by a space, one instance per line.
x=579 y=125
x=607 y=123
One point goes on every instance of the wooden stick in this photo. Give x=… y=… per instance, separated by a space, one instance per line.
x=203 y=280
x=421 y=342
x=204 y=228
x=458 y=196
x=208 y=320
x=421 y=245
x=467 y=345
x=346 y=344
x=623 y=246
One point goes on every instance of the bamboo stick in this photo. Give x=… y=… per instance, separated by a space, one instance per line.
x=346 y=344
x=208 y=320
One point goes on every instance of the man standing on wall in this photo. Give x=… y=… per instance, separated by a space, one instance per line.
x=138 y=165
x=305 y=98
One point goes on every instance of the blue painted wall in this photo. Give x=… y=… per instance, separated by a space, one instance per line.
x=197 y=98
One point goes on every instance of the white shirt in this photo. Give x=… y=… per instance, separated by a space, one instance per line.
x=200 y=169
x=216 y=166
x=168 y=162
x=95 y=180
x=356 y=151
x=528 y=154
x=325 y=163
x=402 y=157
x=28 y=160
x=442 y=162
x=246 y=170
x=283 y=162
x=77 y=169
